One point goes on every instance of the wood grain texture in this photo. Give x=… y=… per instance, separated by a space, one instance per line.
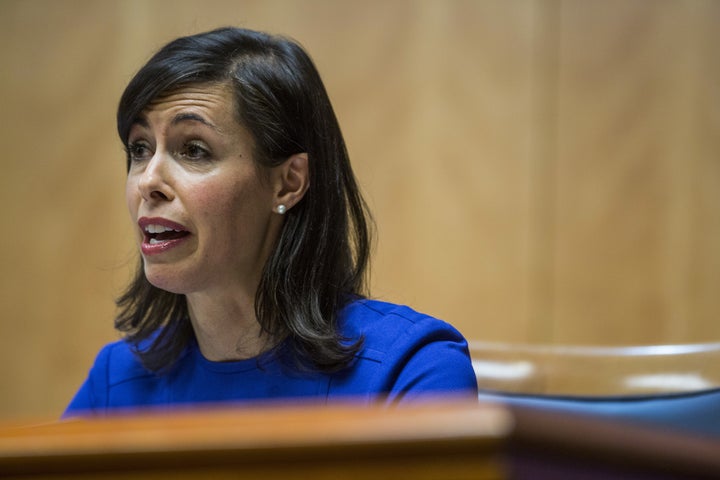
x=628 y=172
x=459 y=441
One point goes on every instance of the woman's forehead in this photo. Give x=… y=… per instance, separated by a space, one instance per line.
x=211 y=96
x=212 y=105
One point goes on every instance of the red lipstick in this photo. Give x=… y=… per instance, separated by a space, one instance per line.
x=161 y=235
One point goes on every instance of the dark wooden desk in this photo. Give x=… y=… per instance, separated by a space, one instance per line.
x=340 y=442
x=439 y=441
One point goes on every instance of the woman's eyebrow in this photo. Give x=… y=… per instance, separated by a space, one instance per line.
x=192 y=117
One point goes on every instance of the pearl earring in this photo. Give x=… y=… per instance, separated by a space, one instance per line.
x=281 y=209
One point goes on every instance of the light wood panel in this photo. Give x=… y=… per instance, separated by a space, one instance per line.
x=64 y=234
x=440 y=133
x=634 y=236
x=540 y=170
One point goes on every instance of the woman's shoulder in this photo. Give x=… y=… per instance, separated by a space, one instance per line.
x=367 y=309
x=117 y=362
x=405 y=354
x=383 y=325
x=368 y=313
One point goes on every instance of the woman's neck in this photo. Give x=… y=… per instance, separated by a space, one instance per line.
x=225 y=326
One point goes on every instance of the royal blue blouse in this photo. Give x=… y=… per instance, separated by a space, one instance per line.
x=405 y=356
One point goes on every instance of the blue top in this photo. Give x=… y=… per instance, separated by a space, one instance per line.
x=406 y=356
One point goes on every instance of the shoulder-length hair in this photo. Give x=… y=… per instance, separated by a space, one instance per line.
x=320 y=260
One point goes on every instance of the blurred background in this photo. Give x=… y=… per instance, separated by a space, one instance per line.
x=541 y=171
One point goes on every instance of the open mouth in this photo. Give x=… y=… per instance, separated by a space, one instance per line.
x=155 y=234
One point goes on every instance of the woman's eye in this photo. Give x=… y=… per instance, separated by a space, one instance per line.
x=194 y=151
x=138 y=151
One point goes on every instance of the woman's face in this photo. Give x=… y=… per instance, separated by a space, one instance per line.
x=202 y=211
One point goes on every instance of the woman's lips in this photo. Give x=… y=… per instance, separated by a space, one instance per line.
x=161 y=235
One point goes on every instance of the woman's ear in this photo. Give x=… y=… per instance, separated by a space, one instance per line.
x=292 y=180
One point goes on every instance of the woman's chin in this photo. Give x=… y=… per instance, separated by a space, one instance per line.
x=167 y=281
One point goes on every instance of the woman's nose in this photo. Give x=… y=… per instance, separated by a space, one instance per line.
x=154 y=183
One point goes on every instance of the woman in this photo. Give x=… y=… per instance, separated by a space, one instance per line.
x=254 y=245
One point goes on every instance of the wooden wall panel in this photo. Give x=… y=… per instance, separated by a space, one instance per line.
x=439 y=127
x=703 y=269
x=633 y=90
x=540 y=170
x=61 y=195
